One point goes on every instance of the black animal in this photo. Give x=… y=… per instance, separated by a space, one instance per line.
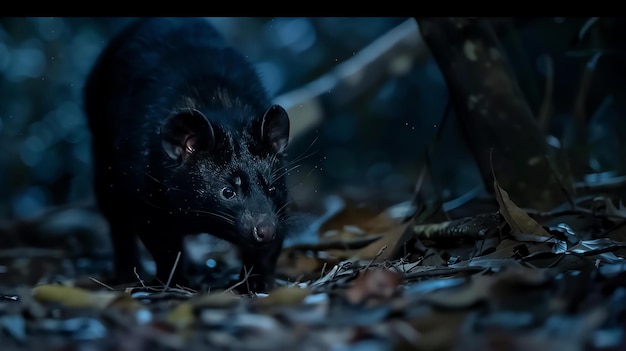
x=186 y=140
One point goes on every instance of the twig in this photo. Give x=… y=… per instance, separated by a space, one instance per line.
x=101 y=283
x=323 y=269
x=585 y=28
x=244 y=280
x=340 y=266
x=188 y=289
x=169 y=280
x=380 y=252
x=138 y=277
x=442 y=271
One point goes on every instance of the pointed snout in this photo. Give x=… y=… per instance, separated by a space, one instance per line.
x=261 y=227
x=265 y=231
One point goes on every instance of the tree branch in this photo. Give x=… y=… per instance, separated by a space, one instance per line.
x=392 y=54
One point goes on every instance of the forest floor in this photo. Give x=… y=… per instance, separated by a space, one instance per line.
x=511 y=279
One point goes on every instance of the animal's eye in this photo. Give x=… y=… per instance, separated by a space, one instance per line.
x=272 y=190
x=228 y=193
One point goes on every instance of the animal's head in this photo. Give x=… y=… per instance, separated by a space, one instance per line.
x=233 y=177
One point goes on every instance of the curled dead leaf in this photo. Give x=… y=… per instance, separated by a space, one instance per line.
x=356 y=222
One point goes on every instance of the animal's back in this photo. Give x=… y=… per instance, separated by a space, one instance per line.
x=145 y=71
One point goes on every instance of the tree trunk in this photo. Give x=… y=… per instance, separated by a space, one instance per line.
x=496 y=120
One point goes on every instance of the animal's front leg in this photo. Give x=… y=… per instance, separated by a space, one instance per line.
x=259 y=265
x=165 y=244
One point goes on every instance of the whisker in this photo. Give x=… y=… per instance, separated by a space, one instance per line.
x=301 y=158
x=303 y=155
x=228 y=219
x=153 y=204
x=294 y=222
x=223 y=216
x=310 y=172
x=283 y=207
x=288 y=166
x=161 y=183
x=275 y=175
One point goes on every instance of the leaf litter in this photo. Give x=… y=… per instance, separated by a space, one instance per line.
x=376 y=280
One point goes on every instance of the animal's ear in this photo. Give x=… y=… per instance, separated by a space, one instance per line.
x=275 y=129
x=186 y=132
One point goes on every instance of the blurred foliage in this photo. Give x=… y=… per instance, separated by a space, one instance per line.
x=376 y=144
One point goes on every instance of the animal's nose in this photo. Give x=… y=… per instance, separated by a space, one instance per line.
x=264 y=231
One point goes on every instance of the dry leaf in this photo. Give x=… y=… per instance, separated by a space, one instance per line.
x=387 y=246
x=181 y=316
x=285 y=296
x=354 y=223
x=351 y=226
x=74 y=297
x=518 y=219
x=350 y=215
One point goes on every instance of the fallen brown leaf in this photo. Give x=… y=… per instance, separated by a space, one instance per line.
x=518 y=220
x=388 y=246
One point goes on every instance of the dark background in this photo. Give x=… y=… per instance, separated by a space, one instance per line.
x=371 y=150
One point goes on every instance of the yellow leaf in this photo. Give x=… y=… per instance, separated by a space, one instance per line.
x=73 y=297
x=181 y=316
x=285 y=296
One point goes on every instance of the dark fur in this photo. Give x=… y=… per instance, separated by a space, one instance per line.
x=177 y=116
